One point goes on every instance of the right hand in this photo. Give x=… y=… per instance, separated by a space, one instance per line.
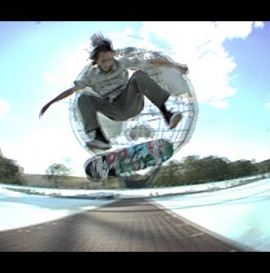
x=43 y=110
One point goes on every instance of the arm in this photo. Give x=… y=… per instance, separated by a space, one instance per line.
x=158 y=60
x=63 y=95
x=163 y=61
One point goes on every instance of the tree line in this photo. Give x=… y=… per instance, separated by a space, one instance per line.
x=10 y=171
x=190 y=170
x=193 y=169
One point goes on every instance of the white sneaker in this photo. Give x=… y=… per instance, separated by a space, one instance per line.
x=98 y=144
x=174 y=120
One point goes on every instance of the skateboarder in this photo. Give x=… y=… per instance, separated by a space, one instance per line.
x=113 y=93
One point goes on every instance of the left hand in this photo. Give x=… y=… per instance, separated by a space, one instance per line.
x=183 y=68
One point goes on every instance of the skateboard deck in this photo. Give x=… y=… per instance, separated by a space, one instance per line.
x=130 y=159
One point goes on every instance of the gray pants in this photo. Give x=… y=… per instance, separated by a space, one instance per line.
x=128 y=104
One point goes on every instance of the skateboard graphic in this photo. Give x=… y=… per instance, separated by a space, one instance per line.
x=130 y=159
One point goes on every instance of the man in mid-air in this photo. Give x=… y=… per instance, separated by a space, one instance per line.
x=113 y=92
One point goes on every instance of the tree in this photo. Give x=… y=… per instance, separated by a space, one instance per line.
x=9 y=170
x=213 y=168
x=190 y=170
x=57 y=172
x=242 y=168
x=264 y=166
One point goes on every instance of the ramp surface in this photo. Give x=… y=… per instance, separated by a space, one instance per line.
x=127 y=225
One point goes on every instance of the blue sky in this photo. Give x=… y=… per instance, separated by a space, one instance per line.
x=229 y=69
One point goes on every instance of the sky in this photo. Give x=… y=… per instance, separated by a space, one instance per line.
x=229 y=70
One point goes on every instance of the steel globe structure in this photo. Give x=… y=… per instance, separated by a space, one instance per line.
x=149 y=124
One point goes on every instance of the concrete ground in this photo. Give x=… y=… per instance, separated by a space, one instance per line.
x=127 y=225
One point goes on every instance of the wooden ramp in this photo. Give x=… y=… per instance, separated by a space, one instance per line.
x=127 y=225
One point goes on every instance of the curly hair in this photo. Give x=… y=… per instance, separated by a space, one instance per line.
x=99 y=43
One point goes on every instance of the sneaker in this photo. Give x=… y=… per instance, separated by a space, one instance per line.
x=174 y=120
x=98 y=144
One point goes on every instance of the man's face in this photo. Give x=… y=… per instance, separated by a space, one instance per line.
x=105 y=60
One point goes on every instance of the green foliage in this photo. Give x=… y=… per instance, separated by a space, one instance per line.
x=9 y=171
x=243 y=168
x=58 y=172
x=193 y=170
x=264 y=166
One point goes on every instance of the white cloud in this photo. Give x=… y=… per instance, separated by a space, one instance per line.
x=128 y=31
x=4 y=108
x=45 y=146
x=259 y=24
x=51 y=141
x=230 y=29
x=49 y=77
x=220 y=103
x=230 y=148
x=65 y=72
x=200 y=46
x=268 y=105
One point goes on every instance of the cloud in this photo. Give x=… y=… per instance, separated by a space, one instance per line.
x=220 y=103
x=66 y=70
x=268 y=105
x=45 y=146
x=231 y=148
x=200 y=45
x=259 y=24
x=49 y=77
x=4 y=108
x=50 y=141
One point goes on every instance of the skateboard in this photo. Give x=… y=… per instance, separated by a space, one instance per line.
x=128 y=160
